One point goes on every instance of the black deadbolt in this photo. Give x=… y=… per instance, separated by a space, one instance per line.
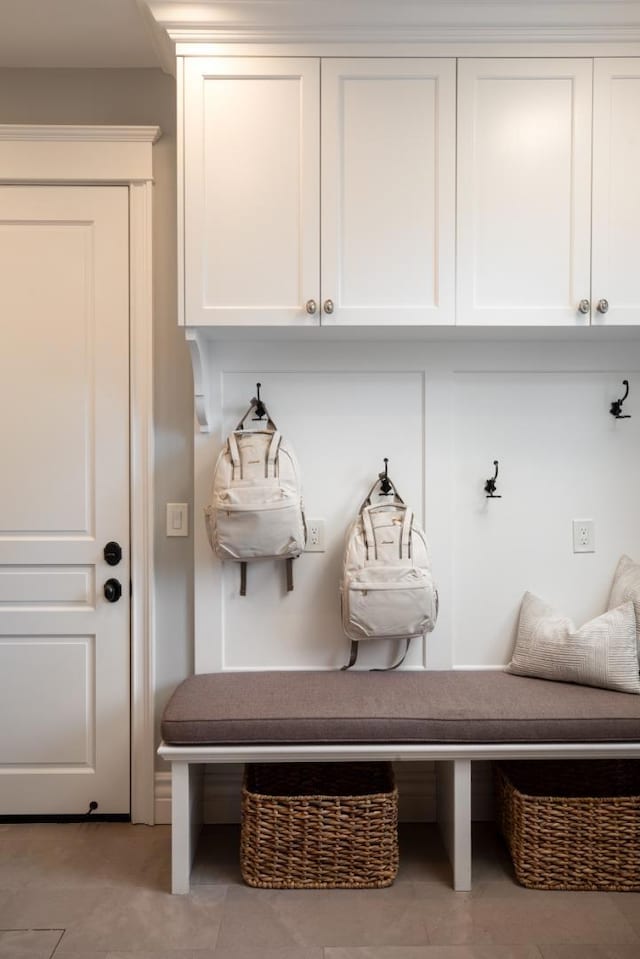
x=113 y=553
x=112 y=590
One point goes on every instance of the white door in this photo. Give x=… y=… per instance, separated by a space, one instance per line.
x=64 y=494
x=616 y=192
x=251 y=190
x=524 y=192
x=388 y=191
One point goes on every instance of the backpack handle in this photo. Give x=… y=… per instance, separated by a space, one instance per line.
x=258 y=405
x=396 y=495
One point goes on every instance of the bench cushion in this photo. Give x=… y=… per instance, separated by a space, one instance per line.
x=474 y=706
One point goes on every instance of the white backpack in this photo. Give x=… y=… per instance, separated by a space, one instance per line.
x=256 y=504
x=387 y=588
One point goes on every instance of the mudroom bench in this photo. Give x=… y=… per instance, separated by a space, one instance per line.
x=450 y=717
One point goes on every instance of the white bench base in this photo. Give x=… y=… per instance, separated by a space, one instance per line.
x=453 y=777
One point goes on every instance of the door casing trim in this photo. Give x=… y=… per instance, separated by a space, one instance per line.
x=108 y=156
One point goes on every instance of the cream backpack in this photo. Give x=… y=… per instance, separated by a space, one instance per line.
x=256 y=504
x=387 y=588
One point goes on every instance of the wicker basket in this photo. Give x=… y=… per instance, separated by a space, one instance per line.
x=319 y=826
x=572 y=825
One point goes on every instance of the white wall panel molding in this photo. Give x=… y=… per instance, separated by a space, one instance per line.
x=69 y=133
x=402 y=20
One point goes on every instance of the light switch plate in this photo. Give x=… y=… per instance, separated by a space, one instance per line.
x=177 y=519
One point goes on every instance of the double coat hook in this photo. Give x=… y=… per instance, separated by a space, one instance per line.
x=490 y=485
x=616 y=406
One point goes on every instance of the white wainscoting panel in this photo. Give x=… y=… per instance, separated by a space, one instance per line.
x=341 y=426
x=442 y=412
x=562 y=456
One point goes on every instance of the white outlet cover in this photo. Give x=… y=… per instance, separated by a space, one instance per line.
x=315 y=536
x=584 y=536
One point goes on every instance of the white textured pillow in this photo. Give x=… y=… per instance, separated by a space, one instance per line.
x=601 y=653
x=626 y=586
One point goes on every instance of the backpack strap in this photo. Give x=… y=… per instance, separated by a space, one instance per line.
x=369 y=536
x=289 y=573
x=387 y=669
x=243 y=579
x=234 y=453
x=405 y=537
x=353 y=655
x=272 y=454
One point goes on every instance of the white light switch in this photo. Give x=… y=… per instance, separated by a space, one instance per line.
x=177 y=519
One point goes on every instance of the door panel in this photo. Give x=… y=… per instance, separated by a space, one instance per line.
x=616 y=191
x=388 y=191
x=64 y=493
x=524 y=191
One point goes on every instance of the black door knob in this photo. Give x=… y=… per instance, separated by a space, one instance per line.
x=113 y=553
x=112 y=590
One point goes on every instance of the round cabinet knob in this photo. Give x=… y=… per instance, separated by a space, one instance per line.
x=603 y=306
x=584 y=306
x=328 y=306
x=311 y=307
x=112 y=590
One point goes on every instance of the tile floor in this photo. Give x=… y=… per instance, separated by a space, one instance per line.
x=100 y=891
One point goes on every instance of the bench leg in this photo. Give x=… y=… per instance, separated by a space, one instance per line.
x=186 y=820
x=453 y=778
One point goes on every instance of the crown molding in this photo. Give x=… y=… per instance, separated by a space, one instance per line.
x=61 y=132
x=416 y=21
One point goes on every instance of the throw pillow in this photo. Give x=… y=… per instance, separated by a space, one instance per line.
x=626 y=586
x=601 y=653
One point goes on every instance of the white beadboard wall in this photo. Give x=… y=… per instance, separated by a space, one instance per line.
x=442 y=411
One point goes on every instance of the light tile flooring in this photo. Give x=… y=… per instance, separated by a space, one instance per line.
x=100 y=891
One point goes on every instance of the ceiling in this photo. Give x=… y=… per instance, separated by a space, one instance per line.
x=77 y=33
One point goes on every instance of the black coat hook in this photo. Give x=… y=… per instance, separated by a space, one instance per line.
x=616 y=406
x=386 y=486
x=490 y=485
x=258 y=405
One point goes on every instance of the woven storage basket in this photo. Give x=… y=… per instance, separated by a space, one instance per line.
x=572 y=825
x=319 y=825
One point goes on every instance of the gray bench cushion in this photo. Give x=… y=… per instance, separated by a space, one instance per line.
x=405 y=707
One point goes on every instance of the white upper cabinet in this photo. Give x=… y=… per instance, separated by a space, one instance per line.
x=524 y=192
x=388 y=191
x=251 y=172
x=256 y=185
x=616 y=192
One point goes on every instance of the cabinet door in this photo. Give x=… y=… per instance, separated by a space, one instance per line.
x=388 y=191
x=616 y=192
x=251 y=190
x=524 y=191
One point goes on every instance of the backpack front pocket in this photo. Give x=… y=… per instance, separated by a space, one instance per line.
x=389 y=602
x=253 y=523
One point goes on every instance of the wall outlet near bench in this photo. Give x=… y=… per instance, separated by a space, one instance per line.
x=584 y=536
x=315 y=536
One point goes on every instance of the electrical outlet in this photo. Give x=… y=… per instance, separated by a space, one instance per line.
x=315 y=536
x=583 y=536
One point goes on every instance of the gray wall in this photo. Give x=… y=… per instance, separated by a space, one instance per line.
x=145 y=97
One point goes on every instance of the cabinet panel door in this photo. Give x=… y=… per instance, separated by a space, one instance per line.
x=251 y=190
x=616 y=191
x=388 y=190
x=524 y=191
